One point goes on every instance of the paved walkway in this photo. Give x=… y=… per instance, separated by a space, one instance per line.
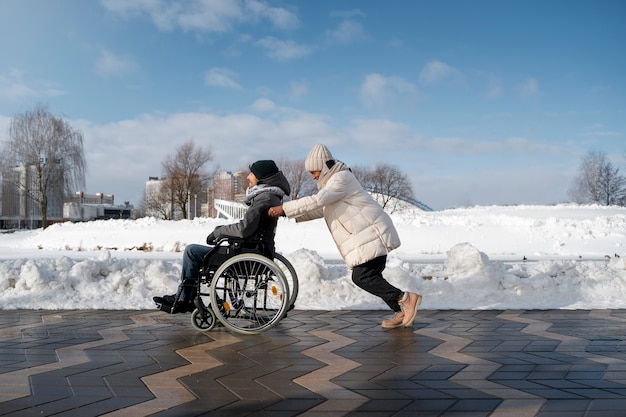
x=553 y=363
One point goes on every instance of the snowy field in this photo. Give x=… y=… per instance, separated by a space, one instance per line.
x=517 y=257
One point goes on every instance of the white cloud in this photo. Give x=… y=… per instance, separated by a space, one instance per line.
x=217 y=16
x=377 y=90
x=511 y=146
x=279 y=17
x=221 y=77
x=494 y=87
x=371 y=133
x=346 y=32
x=110 y=65
x=263 y=105
x=399 y=136
x=237 y=140
x=283 y=50
x=14 y=87
x=530 y=88
x=162 y=12
x=347 y=14
x=484 y=185
x=298 y=89
x=436 y=72
x=599 y=130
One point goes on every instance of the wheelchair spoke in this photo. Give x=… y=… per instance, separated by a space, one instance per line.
x=250 y=293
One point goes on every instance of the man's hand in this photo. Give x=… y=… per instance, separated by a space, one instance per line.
x=211 y=239
x=276 y=211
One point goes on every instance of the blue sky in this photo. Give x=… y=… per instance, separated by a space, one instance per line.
x=481 y=102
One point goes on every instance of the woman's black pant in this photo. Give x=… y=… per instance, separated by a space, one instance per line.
x=369 y=276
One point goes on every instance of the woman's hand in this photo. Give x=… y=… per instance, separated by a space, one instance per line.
x=276 y=211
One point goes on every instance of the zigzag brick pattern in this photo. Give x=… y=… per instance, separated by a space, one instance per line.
x=510 y=363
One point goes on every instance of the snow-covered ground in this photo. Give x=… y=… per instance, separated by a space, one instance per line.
x=518 y=257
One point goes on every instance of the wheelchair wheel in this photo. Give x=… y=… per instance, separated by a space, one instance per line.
x=249 y=293
x=203 y=319
x=290 y=275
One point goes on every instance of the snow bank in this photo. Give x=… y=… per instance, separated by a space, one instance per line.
x=522 y=257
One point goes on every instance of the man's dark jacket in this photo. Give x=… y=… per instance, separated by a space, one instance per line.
x=257 y=224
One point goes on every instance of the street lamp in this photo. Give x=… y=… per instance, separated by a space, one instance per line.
x=80 y=204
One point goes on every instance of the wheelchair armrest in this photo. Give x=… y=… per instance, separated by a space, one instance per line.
x=221 y=240
x=227 y=247
x=239 y=241
x=235 y=243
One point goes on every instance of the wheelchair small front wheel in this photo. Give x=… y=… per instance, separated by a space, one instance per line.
x=203 y=319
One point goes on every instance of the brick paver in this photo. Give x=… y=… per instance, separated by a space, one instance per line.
x=510 y=363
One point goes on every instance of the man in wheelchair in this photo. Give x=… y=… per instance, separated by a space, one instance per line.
x=266 y=188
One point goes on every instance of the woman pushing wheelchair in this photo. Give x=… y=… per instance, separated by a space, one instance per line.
x=266 y=188
x=362 y=231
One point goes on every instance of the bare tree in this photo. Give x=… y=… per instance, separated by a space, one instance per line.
x=158 y=204
x=612 y=185
x=363 y=174
x=49 y=152
x=622 y=200
x=598 y=181
x=184 y=175
x=140 y=210
x=387 y=183
x=301 y=182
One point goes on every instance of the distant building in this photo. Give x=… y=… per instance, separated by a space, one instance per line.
x=20 y=209
x=223 y=186
x=226 y=186
x=99 y=206
x=157 y=205
x=240 y=185
x=19 y=204
x=153 y=185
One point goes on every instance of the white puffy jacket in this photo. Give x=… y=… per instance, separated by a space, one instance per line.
x=359 y=226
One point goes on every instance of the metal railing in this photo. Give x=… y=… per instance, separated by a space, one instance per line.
x=231 y=210
x=410 y=200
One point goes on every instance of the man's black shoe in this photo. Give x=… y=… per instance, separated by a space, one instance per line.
x=165 y=303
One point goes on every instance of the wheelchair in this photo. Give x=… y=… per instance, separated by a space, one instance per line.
x=241 y=288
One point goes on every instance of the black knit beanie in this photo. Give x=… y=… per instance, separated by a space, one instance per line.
x=263 y=169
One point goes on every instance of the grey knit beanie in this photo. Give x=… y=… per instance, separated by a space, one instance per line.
x=317 y=158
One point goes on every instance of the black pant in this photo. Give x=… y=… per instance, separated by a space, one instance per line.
x=369 y=276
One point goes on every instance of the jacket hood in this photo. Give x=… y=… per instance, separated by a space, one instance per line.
x=278 y=180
